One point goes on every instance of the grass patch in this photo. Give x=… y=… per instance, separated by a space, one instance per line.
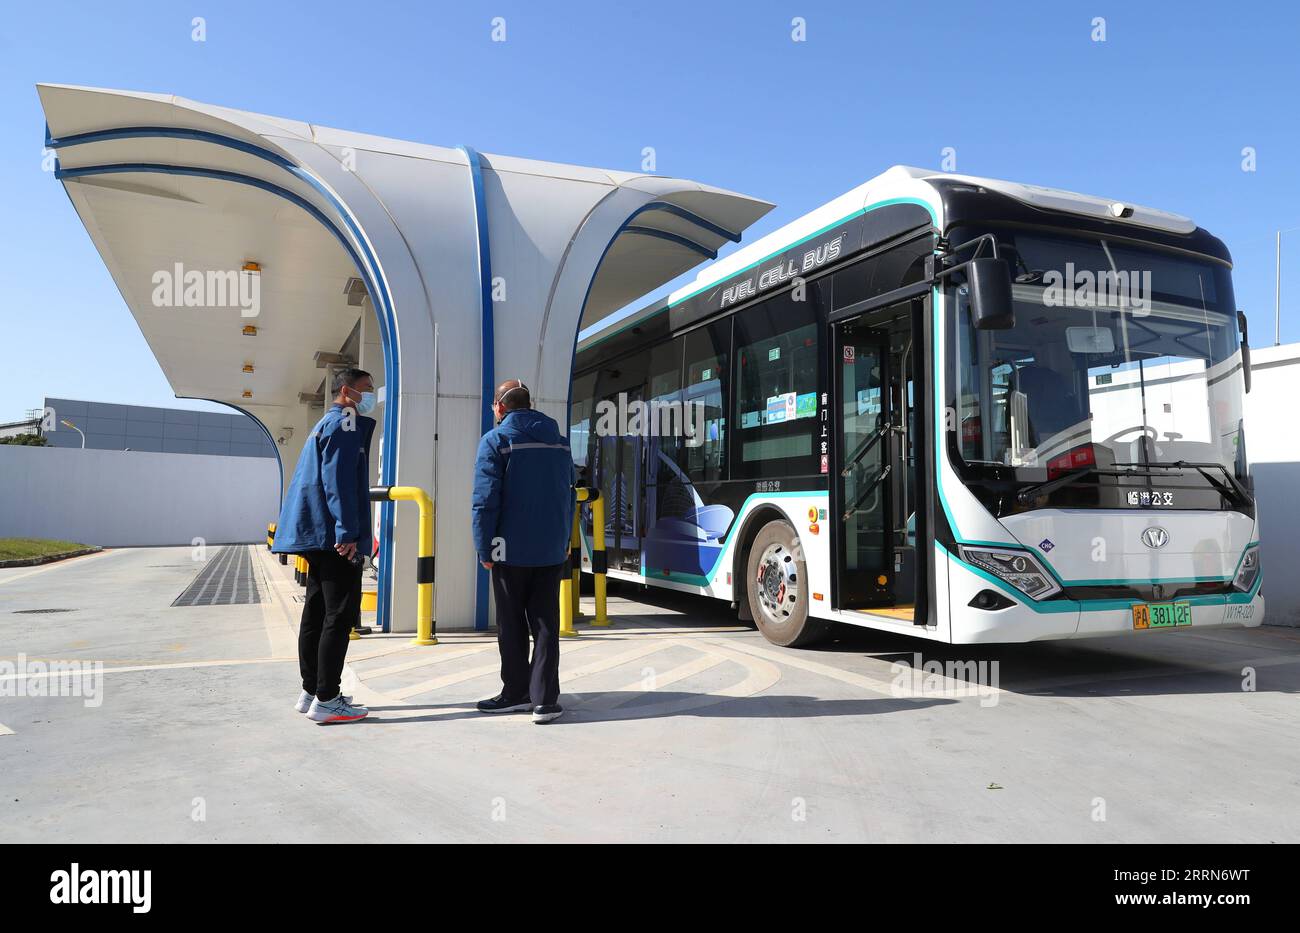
x=22 y=548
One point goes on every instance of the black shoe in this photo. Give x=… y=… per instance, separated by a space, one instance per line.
x=543 y=714
x=499 y=704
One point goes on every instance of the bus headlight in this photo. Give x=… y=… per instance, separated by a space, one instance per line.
x=1248 y=572
x=1019 y=568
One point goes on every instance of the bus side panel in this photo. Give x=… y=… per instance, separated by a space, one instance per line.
x=716 y=580
x=941 y=609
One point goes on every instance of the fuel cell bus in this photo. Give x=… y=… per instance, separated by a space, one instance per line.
x=952 y=407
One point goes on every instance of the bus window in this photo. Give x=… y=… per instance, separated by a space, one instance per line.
x=580 y=413
x=776 y=387
x=706 y=388
x=882 y=273
x=664 y=430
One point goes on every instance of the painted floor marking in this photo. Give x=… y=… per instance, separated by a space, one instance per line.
x=884 y=687
x=447 y=680
x=630 y=691
x=432 y=655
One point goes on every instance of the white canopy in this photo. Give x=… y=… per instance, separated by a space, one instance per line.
x=477 y=268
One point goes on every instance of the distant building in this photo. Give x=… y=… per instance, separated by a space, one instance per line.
x=158 y=430
x=29 y=425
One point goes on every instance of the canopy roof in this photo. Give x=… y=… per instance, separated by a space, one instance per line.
x=146 y=221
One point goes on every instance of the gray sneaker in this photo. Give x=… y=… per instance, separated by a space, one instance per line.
x=339 y=709
x=305 y=700
x=543 y=714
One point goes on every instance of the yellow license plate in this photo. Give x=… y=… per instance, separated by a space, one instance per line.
x=1162 y=615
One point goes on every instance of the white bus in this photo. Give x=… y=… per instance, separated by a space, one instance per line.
x=951 y=407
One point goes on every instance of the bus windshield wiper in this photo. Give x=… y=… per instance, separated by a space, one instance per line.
x=1232 y=490
x=1043 y=489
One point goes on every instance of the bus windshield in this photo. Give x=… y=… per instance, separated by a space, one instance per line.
x=1121 y=376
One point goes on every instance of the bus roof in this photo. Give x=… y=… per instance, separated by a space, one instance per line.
x=901 y=182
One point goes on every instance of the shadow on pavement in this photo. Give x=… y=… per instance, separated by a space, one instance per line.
x=1157 y=663
x=609 y=706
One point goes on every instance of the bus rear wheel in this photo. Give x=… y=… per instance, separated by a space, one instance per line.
x=776 y=588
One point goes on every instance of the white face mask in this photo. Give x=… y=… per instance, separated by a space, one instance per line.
x=367 y=403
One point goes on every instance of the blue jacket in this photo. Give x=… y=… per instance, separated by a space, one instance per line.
x=328 y=501
x=523 y=496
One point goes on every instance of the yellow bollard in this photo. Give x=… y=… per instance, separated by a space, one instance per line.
x=567 y=589
x=598 y=563
x=424 y=567
x=598 y=557
x=575 y=558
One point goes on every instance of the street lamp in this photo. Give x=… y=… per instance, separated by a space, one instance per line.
x=78 y=430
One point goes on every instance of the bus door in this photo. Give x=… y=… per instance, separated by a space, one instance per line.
x=620 y=472
x=867 y=418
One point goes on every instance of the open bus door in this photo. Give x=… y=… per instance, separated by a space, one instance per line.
x=874 y=469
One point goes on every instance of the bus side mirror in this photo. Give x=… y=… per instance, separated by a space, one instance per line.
x=1245 y=348
x=989 y=284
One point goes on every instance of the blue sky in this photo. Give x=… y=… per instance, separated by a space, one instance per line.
x=1157 y=114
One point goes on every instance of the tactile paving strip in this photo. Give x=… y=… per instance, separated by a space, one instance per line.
x=227 y=579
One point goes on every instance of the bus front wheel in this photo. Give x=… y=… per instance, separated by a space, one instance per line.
x=777 y=588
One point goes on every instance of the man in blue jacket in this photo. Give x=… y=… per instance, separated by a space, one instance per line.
x=523 y=510
x=326 y=519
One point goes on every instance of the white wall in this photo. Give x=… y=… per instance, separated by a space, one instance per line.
x=129 y=498
x=1273 y=449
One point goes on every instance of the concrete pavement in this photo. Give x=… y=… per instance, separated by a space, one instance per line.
x=681 y=726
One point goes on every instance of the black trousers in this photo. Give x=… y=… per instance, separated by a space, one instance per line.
x=332 y=609
x=528 y=603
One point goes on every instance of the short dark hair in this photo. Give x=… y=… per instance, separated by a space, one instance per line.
x=349 y=378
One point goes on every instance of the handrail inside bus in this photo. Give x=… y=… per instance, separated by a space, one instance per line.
x=853 y=509
x=866 y=445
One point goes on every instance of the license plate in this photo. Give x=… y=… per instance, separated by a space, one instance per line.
x=1162 y=615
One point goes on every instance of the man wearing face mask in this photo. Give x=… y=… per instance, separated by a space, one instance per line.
x=523 y=510
x=326 y=519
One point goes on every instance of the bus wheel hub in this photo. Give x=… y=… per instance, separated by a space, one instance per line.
x=778 y=589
